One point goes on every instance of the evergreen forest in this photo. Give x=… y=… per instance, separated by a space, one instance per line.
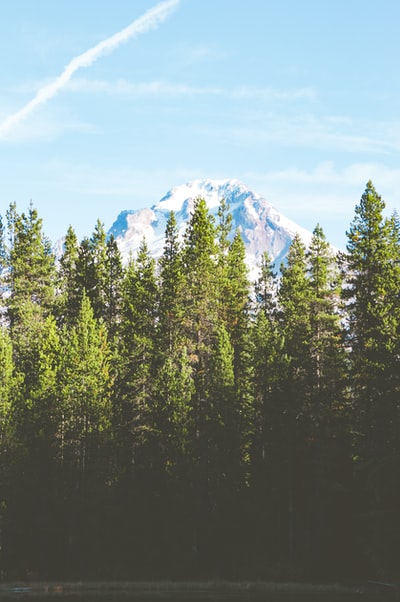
x=170 y=419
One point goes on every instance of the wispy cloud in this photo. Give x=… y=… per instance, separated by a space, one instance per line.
x=149 y=20
x=310 y=131
x=253 y=92
x=352 y=177
x=128 y=88
x=163 y=88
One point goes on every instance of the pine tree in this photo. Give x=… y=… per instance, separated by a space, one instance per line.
x=92 y=268
x=113 y=291
x=327 y=345
x=32 y=512
x=236 y=299
x=134 y=386
x=372 y=288
x=201 y=293
x=30 y=283
x=200 y=300
x=329 y=446
x=97 y=289
x=85 y=455
x=85 y=384
x=36 y=359
x=294 y=296
x=224 y=227
x=234 y=313
x=265 y=288
x=199 y=267
x=223 y=234
x=295 y=323
x=172 y=283
x=173 y=379
x=268 y=514
x=267 y=364
x=216 y=327
x=70 y=292
x=31 y=268
x=372 y=294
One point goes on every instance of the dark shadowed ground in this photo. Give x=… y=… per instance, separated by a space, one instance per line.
x=197 y=592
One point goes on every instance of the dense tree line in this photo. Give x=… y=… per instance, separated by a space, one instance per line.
x=172 y=419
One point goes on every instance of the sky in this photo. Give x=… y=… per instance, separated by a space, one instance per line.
x=105 y=106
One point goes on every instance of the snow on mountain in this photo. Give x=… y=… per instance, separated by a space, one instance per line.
x=262 y=227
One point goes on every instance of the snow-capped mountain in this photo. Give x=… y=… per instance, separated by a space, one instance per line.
x=262 y=227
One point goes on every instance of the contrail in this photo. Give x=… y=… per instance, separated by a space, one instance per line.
x=149 y=20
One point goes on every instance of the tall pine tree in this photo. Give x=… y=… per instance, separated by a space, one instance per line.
x=372 y=294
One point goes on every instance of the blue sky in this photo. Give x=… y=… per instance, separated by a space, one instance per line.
x=299 y=100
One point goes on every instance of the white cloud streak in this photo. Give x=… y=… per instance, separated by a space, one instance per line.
x=163 y=88
x=154 y=88
x=151 y=19
x=309 y=131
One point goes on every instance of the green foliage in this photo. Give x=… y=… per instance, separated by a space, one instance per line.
x=7 y=383
x=198 y=255
x=84 y=388
x=167 y=419
x=70 y=292
x=30 y=266
x=174 y=386
x=372 y=293
x=326 y=337
x=113 y=286
x=172 y=286
x=134 y=385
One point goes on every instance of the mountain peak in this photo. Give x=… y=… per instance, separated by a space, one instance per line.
x=262 y=227
x=211 y=190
